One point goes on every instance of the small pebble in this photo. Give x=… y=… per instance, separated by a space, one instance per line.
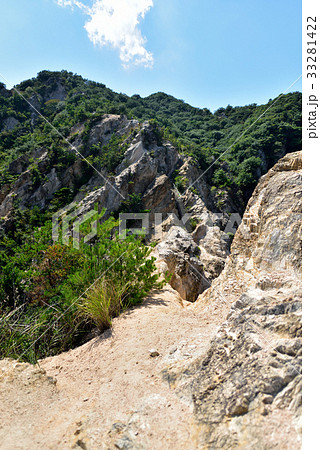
x=267 y=399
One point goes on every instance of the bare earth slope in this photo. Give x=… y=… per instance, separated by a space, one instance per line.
x=228 y=371
x=109 y=391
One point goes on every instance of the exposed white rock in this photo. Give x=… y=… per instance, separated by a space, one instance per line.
x=10 y=123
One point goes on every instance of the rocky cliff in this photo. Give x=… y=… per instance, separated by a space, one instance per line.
x=143 y=181
x=246 y=391
x=211 y=361
x=221 y=373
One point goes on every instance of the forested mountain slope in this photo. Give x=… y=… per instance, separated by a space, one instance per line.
x=221 y=373
x=66 y=100
x=66 y=140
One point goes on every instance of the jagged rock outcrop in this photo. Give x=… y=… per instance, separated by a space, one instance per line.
x=180 y=256
x=145 y=171
x=148 y=170
x=246 y=391
x=110 y=123
x=230 y=363
x=160 y=197
x=193 y=258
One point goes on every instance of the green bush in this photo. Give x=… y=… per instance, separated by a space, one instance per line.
x=220 y=179
x=112 y=153
x=103 y=301
x=194 y=221
x=249 y=172
x=59 y=301
x=181 y=183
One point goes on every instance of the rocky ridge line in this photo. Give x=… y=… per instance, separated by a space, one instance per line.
x=246 y=390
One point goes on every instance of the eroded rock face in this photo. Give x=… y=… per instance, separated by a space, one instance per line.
x=213 y=245
x=195 y=255
x=58 y=93
x=159 y=196
x=110 y=123
x=180 y=256
x=144 y=171
x=193 y=258
x=246 y=391
x=28 y=195
x=266 y=250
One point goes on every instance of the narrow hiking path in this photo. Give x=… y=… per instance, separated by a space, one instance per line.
x=110 y=392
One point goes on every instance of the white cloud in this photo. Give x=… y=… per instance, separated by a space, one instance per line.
x=116 y=23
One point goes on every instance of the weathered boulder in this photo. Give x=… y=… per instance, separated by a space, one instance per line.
x=110 y=123
x=246 y=391
x=180 y=256
x=213 y=245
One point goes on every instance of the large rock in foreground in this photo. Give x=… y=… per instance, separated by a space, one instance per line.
x=236 y=371
x=246 y=391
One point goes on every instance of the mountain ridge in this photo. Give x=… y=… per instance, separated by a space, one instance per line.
x=223 y=372
x=124 y=164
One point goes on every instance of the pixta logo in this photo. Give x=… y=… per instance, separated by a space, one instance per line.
x=66 y=224
x=147 y=224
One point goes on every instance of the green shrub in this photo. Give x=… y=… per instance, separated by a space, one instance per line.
x=220 y=179
x=51 y=313
x=194 y=221
x=230 y=236
x=132 y=205
x=181 y=183
x=103 y=301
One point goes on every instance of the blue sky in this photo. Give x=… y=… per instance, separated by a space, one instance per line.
x=210 y=53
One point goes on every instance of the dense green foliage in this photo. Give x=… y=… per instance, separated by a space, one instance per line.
x=108 y=156
x=39 y=281
x=48 y=290
x=195 y=131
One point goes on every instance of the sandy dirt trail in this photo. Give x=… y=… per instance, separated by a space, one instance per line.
x=110 y=392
